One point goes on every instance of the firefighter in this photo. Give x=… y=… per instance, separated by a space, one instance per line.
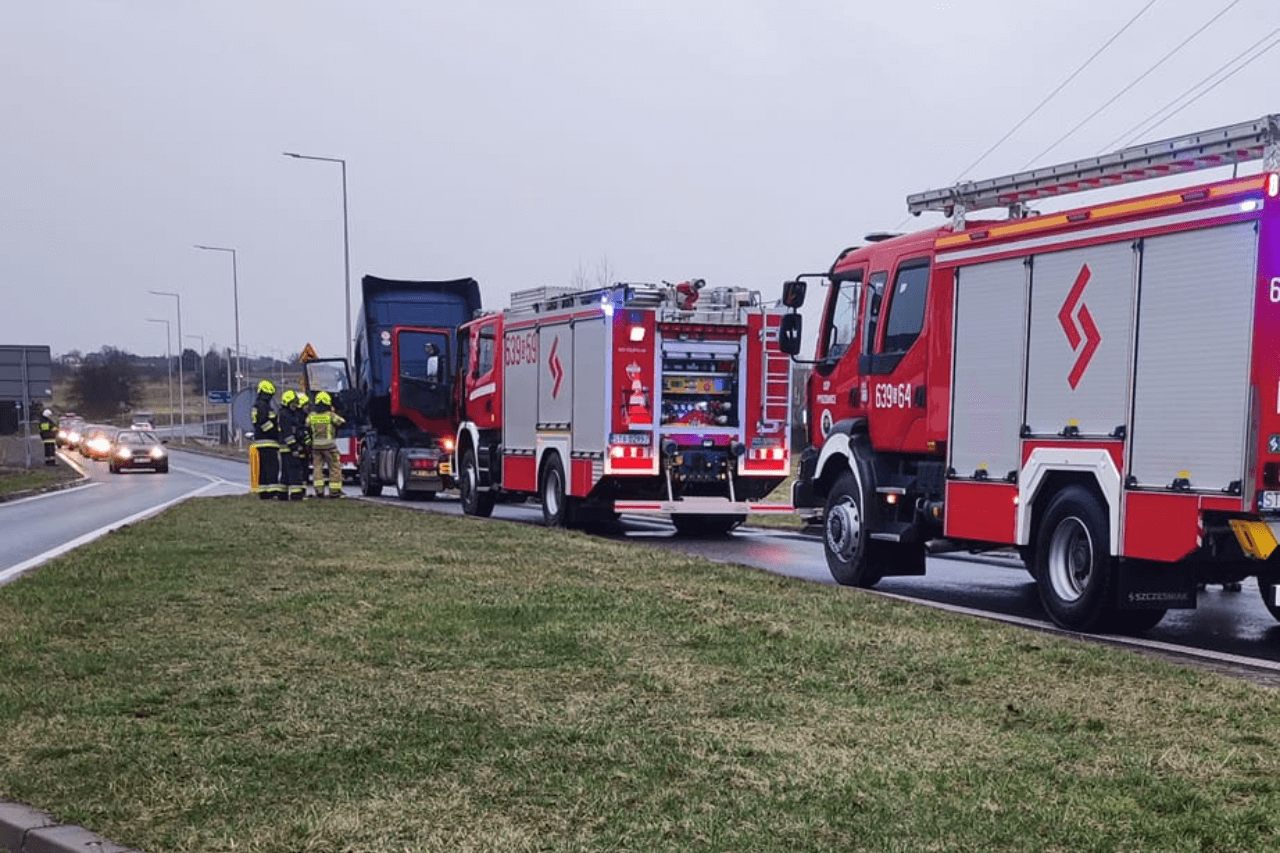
x=324 y=423
x=264 y=452
x=293 y=455
x=49 y=436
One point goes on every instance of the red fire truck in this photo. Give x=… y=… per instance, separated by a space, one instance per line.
x=1097 y=388
x=635 y=398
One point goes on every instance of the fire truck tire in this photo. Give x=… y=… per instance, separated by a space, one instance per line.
x=1075 y=572
x=1268 y=591
x=706 y=525
x=370 y=485
x=844 y=535
x=557 y=507
x=474 y=501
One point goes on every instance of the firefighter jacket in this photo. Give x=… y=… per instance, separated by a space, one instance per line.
x=324 y=423
x=48 y=429
x=266 y=423
x=293 y=430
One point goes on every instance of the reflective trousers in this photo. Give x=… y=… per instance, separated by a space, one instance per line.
x=293 y=473
x=321 y=456
x=264 y=469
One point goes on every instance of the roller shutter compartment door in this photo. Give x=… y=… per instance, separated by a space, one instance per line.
x=1191 y=383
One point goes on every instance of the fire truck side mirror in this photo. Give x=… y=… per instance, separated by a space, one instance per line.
x=789 y=333
x=793 y=293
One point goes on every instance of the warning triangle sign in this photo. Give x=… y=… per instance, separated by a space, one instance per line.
x=308 y=354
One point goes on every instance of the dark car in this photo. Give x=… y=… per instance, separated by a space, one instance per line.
x=138 y=448
x=97 y=442
x=69 y=429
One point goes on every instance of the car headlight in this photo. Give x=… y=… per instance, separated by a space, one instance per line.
x=124 y=453
x=157 y=453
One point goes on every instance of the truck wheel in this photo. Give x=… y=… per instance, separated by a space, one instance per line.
x=556 y=509
x=1074 y=568
x=370 y=486
x=1269 y=590
x=844 y=535
x=474 y=501
x=402 y=479
x=706 y=525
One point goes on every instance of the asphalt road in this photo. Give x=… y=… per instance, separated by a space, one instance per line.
x=38 y=528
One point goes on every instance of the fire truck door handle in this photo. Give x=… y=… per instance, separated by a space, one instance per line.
x=488 y=405
x=855 y=396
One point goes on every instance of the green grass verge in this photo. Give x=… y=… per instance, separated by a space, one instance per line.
x=14 y=480
x=239 y=675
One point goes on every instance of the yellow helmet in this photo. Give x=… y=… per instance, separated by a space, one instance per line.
x=265 y=387
x=303 y=399
x=324 y=399
x=288 y=396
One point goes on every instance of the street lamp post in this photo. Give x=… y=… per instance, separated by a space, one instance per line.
x=204 y=394
x=346 y=242
x=168 y=360
x=182 y=396
x=235 y=295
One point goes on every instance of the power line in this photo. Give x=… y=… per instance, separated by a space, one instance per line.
x=1138 y=80
x=1127 y=138
x=1217 y=84
x=1060 y=87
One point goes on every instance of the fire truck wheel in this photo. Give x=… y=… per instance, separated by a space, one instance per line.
x=844 y=535
x=1074 y=568
x=556 y=508
x=1268 y=590
x=474 y=501
x=706 y=525
x=370 y=486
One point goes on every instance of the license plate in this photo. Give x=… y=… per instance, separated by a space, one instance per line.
x=1269 y=500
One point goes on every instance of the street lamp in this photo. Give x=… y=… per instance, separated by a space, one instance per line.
x=204 y=395
x=182 y=397
x=235 y=295
x=346 y=243
x=168 y=360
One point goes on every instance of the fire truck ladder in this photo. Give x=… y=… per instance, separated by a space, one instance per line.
x=1220 y=146
x=775 y=382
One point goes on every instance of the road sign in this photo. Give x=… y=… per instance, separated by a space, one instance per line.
x=308 y=354
x=222 y=397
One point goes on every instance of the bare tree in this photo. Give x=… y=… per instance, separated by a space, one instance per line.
x=601 y=276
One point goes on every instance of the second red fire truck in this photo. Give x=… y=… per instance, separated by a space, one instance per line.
x=634 y=398
x=1097 y=388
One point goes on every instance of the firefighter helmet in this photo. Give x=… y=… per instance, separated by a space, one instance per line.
x=303 y=399
x=265 y=387
x=48 y=413
x=288 y=396
x=324 y=399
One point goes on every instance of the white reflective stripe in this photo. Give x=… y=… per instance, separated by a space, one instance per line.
x=487 y=388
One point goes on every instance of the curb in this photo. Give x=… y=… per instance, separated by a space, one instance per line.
x=27 y=830
x=6 y=497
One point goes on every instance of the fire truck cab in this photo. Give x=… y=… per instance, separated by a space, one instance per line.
x=1096 y=388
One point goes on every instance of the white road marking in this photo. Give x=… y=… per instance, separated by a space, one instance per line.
x=14 y=571
x=44 y=495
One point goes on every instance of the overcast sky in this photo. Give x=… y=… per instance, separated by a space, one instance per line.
x=531 y=142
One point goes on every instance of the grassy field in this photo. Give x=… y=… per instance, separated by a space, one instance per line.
x=238 y=675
